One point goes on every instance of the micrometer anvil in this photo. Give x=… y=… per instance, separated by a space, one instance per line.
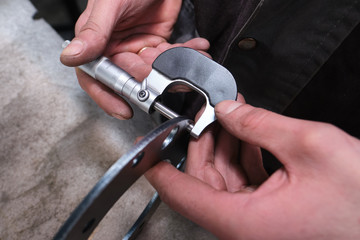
x=176 y=66
x=167 y=142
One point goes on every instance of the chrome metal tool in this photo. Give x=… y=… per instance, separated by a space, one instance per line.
x=176 y=66
x=167 y=142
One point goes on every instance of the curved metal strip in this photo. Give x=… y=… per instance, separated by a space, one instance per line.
x=168 y=141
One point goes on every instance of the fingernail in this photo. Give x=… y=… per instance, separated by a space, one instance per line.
x=226 y=107
x=74 y=48
x=118 y=116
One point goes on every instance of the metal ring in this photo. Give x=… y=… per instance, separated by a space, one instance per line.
x=141 y=50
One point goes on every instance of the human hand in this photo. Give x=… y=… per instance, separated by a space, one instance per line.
x=316 y=195
x=118 y=30
x=139 y=66
x=110 y=27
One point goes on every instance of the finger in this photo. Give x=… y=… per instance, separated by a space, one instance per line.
x=278 y=134
x=251 y=162
x=226 y=161
x=200 y=161
x=104 y=97
x=91 y=39
x=251 y=159
x=133 y=64
x=198 y=201
x=135 y=43
x=200 y=44
x=201 y=158
x=150 y=53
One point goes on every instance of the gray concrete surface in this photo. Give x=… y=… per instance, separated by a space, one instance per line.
x=55 y=143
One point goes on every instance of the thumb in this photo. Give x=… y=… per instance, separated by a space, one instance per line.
x=93 y=31
x=282 y=136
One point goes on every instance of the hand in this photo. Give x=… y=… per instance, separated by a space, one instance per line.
x=224 y=162
x=110 y=27
x=118 y=30
x=316 y=195
x=137 y=65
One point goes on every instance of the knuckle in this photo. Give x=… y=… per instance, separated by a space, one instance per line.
x=165 y=197
x=163 y=46
x=167 y=189
x=95 y=30
x=312 y=134
x=81 y=21
x=253 y=118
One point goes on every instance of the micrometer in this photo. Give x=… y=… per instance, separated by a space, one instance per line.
x=175 y=66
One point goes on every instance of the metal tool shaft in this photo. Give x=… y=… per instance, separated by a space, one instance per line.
x=125 y=85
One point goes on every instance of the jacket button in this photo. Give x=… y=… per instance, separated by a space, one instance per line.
x=247 y=44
